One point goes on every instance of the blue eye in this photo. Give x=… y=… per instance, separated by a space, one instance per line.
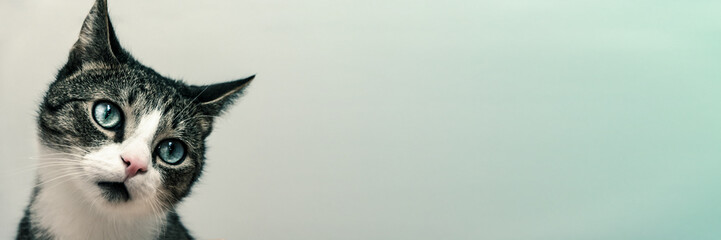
x=171 y=151
x=107 y=115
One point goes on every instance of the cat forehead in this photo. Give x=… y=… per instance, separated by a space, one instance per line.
x=118 y=83
x=136 y=90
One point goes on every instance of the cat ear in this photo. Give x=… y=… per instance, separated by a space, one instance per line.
x=97 y=42
x=214 y=98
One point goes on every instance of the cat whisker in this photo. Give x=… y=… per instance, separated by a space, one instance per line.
x=66 y=175
x=59 y=153
x=58 y=159
x=51 y=159
x=155 y=210
x=57 y=183
x=66 y=146
x=54 y=161
x=30 y=168
x=41 y=165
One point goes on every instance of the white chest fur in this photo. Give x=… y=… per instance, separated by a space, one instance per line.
x=67 y=216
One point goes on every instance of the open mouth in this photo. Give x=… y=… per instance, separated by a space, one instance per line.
x=114 y=191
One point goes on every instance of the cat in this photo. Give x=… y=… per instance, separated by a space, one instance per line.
x=120 y=144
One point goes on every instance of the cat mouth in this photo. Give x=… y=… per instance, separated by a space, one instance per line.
x=114 y=191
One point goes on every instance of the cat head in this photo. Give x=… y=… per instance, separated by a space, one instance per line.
x=120 y=136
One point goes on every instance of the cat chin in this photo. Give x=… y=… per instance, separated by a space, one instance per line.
x=143 y=198
x=134 y=206
x=131 y=208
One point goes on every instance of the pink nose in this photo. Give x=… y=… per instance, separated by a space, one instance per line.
x=133 y=166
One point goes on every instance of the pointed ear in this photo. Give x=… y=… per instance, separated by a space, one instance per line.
x=214 y=98
x=97 y=42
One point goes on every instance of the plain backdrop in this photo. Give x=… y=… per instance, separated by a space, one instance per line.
x=401 y=119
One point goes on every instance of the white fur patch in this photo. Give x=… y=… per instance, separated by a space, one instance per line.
x=71 y=205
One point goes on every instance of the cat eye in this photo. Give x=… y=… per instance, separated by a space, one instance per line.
x=107 y=114
x=171 y=151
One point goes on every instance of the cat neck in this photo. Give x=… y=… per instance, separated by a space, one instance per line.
x=62 y=214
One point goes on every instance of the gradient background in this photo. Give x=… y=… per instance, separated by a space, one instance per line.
x=404 y=119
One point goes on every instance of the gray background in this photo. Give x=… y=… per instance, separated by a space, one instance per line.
x=416 y=119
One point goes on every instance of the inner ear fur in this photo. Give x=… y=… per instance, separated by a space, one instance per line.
x=97 y=43
x=214 y=98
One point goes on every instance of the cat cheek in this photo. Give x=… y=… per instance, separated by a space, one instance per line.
x=146 y=185
x=105 y=164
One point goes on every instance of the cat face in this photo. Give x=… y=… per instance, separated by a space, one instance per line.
x=118 y=135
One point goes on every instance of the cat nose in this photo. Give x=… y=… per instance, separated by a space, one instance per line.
x=134 y=165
